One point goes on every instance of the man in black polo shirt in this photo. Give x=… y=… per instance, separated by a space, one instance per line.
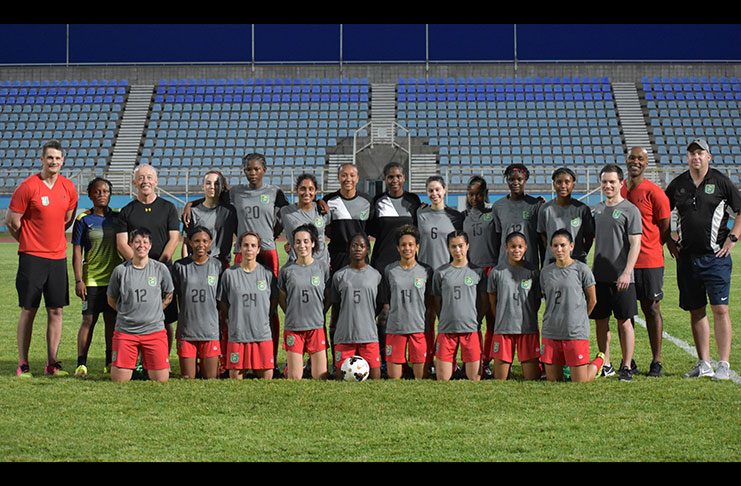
x=160 y=217
x=702 y=196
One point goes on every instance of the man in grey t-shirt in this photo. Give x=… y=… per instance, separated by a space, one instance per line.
x=617 y=245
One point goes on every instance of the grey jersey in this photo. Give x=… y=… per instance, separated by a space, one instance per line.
x=614 y=224
x=479 y=226
x=249 y=296
x=434 y=226
x=459 y=290
x=576 y=217
x=356 y=292
x=138 y=294
x=566 y=315
x=405 y=291
x=520 y=216
x=518 y=298
x=257 y=210
x=305 y=287
x=222 y=221
x=291 y=217
x=196 y=286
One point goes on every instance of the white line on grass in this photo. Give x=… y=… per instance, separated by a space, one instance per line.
x=689 y=349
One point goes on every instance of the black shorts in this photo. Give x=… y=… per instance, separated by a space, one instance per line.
x=623 y=305
x=39 y=276
x=96 y=301
x=649 y=283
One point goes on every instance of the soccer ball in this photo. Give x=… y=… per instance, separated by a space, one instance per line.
x=355 y=368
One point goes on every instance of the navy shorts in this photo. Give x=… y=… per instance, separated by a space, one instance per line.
x=701 y=278
x=96 y=301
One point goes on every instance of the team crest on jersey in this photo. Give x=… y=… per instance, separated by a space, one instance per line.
x=487 y=216
x=152 y=281
x=315 y=281
x=576 y=222
x=526 y=215
x=363 y=215
x=212 y=280
x=264 y=198
x=469 y=281
x=45 y=200
x=616 y=214
x=318 y=222
x=709 y=188
x=419 y=282
x=262 y=285
x=526 y=284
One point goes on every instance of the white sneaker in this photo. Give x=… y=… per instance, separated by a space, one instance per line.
x=722 y=373
x=702 y=368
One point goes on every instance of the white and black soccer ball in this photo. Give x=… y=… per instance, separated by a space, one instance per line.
x=355 y=368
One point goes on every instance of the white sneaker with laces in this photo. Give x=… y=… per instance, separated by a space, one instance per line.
x=722 y=372
x=702 y=368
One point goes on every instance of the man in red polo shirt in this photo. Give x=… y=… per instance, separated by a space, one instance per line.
x=649 y=268
x=41 y=209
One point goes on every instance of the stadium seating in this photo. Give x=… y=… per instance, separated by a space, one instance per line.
x=681 y=109
x=84 y=114
x=214 y=122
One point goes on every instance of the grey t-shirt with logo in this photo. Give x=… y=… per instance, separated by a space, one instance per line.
x=520 y=216
x=256 y=211
x=138 y=293
x=566 y=315
x=249 y=295
x=196 y=286
x=518 y=298
x=576 y=218
x=614 y=225
x=405 y=291
x=305 y=287
x=459 y=289
x=356 y=292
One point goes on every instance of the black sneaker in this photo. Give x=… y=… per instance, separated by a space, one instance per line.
x=608 y=370
x=625 y=374
x=633 y=366
x=655 y=370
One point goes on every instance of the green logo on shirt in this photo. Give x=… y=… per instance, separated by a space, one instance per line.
x=318 y=222
x=261 y=285
x=525 y=284
x=234 y=357
x=290 y=340
x=487 y=217
x=212 y=280
x=419 y=282
x=709 y=188
x=469 y=281
x=576 y=222
x=616 y=214
x=363 y=215
x=315 y=281
x=526 y=215
x=264 y=198
x=152 y=281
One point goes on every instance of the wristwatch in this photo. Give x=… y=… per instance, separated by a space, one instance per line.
x=732 y=237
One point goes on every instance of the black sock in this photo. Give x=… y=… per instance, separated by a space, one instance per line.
x=81 y=360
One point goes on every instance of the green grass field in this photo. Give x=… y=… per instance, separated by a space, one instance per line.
x=670 y=419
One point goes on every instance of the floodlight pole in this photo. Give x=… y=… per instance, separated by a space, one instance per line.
x=515 y=35
x=252 y=46
x=341 y=48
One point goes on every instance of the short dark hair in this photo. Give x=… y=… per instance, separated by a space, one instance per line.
x=407 y=229
x=516 y=168
x=254 y=156
x=612 y=168
x=52 y=144
x=308 y=228
x=92 y=183
x=563 y=170
x=198 y=229
x=514 y=234
x=437 y=178
x=302 y=177
x=456 y=234
x=143 y=232
x=246 y=234
x=392 y=165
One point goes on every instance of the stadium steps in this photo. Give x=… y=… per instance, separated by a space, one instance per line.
x=421 y=167
x=126 y=150
x=334 y=162
x=632 y=121
x=383 y=113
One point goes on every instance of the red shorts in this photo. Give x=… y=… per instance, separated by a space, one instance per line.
x=565 y=352
x=371 y=352
x=503 y=347
x=153 y=347
x=250 y=356
x=301 y=342
x=398 y=344
x=447 y=345
x=196 y=349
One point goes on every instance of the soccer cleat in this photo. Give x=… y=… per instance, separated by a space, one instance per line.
x=608 y=370
x=600 y=356
x=702 y=368
x=107 y=369
x=625 y=374
x=55 y=370
x=656 y=369
x=81 y=371
x=722 y=372
x=23 y=371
